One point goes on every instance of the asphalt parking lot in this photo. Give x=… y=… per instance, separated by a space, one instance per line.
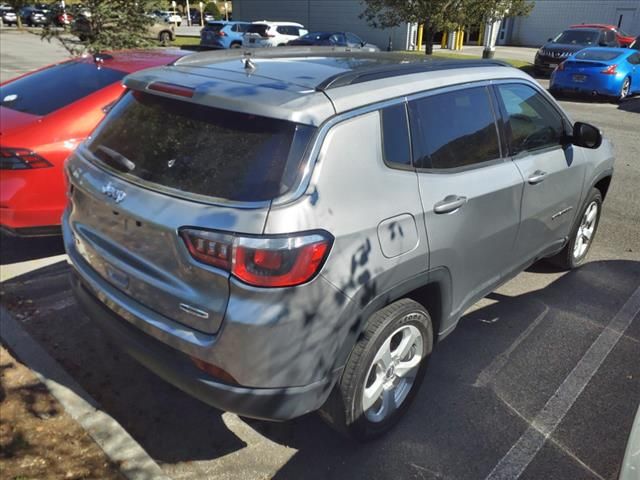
x=540 y=380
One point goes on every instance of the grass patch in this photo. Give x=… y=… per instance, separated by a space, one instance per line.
x=186 y=41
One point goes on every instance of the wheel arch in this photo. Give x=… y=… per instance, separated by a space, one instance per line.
x=431 y=289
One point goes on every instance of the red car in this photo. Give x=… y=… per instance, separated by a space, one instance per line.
x=624 y=39
x=44 y=115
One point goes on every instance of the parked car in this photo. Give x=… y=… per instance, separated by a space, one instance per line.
x=44 y=115
x=197 y=18
x=60 y=17
x=33 y=17
x=624 y=39
x=223 y=34
x=338 y=39
x=8 y=16
x=272 y=34
x=163 y=32
x=569 y=42
x=168 y=17
x=299 y=238
x=614 y=72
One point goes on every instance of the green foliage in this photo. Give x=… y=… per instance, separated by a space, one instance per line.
x=439 y=15
x=213 y=9
x=112 y=25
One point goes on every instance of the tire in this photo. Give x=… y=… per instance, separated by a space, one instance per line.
x=165 y=38
x=401 y=326
x=236 y=45
x=575 y=251
x=625 y=89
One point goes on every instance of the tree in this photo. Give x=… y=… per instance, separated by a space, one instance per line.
x=109 y=25
x=434 y=14
x=492 y=11
x=213 y=9
x=439 y=15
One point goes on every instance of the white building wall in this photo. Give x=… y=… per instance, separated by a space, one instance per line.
x=550 y=17
x=321 y=15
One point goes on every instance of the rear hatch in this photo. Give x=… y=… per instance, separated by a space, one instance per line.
x=211 y=32
x=591 y=64
x=158 y=164
x=257 y=34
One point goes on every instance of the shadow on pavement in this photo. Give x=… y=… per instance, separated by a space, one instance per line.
x=21 y=249
x=630 y=105
x=484 y=384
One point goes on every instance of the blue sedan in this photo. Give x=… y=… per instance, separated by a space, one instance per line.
x=614 y=72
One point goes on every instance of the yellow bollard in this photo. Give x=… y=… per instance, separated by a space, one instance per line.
x=481 y=35
x=420 y=33
x=443 y=44
x=460 y=39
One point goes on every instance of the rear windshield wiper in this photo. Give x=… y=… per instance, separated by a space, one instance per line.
x=115 y=159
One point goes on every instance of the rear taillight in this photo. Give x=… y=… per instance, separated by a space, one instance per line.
x=222 y=34
x=610 y=70
x=262 y=262
x=172 y=89
x=21 y=159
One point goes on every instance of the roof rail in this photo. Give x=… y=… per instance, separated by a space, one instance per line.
x=395 y=70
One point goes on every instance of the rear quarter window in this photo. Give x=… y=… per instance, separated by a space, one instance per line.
x=202 y=150
x=56 y=87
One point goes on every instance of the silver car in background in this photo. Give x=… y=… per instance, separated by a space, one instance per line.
x=293 y=230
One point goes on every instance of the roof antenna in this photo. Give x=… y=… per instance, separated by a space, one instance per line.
x=248 y=64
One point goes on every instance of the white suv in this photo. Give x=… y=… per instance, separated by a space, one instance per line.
x=272 y=34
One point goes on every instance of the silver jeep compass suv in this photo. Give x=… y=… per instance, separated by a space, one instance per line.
x=293 y=230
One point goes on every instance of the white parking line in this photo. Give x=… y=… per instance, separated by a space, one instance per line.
x=529 y=444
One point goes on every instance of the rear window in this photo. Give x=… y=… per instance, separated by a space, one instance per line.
x=55 y=87
x=601 y=55
x=214 y=27
x=202 y=150
x=260 y=29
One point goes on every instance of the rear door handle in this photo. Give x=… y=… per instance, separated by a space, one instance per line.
x=537 y=177
x=449 y=204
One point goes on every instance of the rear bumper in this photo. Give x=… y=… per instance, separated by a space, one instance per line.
x=175 y=367
x=608 y=85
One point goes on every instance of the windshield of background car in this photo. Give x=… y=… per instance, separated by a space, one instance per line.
x=201 y=150
x=578 y=37
x=55 y=87
x=600 y=55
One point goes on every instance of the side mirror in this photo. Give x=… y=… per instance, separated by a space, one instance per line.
x=549 y=39
x=586 y=135
x=363 y=43
x=603 y=44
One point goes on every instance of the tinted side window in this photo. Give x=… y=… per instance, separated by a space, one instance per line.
x=532 y=121
x=634 y=59
x=454 y=129
x=395 y=136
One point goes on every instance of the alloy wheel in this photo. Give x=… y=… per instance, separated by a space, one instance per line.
x=586 y=230
x=392 y=373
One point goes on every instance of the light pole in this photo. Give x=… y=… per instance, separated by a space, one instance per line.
x=201 y=14
x=173 y=7
x=188 y=14
x=226 y=11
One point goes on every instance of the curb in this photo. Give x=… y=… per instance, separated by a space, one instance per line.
x=117 y=444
